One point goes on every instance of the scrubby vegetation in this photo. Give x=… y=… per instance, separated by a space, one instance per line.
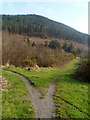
x=54 y=44
x=83 y=72
x=19 y=52
x=71 y=49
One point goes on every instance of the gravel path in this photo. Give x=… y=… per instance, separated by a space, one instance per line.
x=44 y=108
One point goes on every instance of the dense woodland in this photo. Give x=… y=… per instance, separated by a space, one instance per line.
x=38 y=26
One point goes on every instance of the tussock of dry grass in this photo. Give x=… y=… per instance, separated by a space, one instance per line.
x=3 y=84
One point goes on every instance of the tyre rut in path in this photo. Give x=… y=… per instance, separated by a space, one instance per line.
x=43 y=108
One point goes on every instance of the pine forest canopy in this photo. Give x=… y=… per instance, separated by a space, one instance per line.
x=39 y=26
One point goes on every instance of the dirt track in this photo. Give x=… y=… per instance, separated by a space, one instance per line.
x=43 y=108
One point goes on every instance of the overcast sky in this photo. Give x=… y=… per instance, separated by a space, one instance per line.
x=73 y=13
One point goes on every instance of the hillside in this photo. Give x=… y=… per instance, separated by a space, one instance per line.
x=38 y=26
x=44 y=69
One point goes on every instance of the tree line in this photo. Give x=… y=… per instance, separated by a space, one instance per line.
x=55 y=44
x=38 y=26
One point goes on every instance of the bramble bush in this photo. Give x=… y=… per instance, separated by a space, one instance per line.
x=83 y=72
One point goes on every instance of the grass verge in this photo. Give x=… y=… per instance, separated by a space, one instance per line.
x=71 y=95
x=15 y=102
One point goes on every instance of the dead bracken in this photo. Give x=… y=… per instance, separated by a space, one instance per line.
x=3 y=84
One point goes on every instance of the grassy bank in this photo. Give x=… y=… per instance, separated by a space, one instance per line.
x=14 y=100
x=71 y=95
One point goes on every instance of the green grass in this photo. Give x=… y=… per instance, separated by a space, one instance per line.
x=71 y=95
x=40 y=77
x=15 y=102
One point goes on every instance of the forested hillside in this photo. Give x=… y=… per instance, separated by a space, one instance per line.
x=38 y=26
x=44 y=77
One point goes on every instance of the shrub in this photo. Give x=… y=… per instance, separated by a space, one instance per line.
x=46 y=44
x=54 y=44
x=30 y=62
x=33 y=44
x=15 y=51
x=45 y=57
x=83 y=72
